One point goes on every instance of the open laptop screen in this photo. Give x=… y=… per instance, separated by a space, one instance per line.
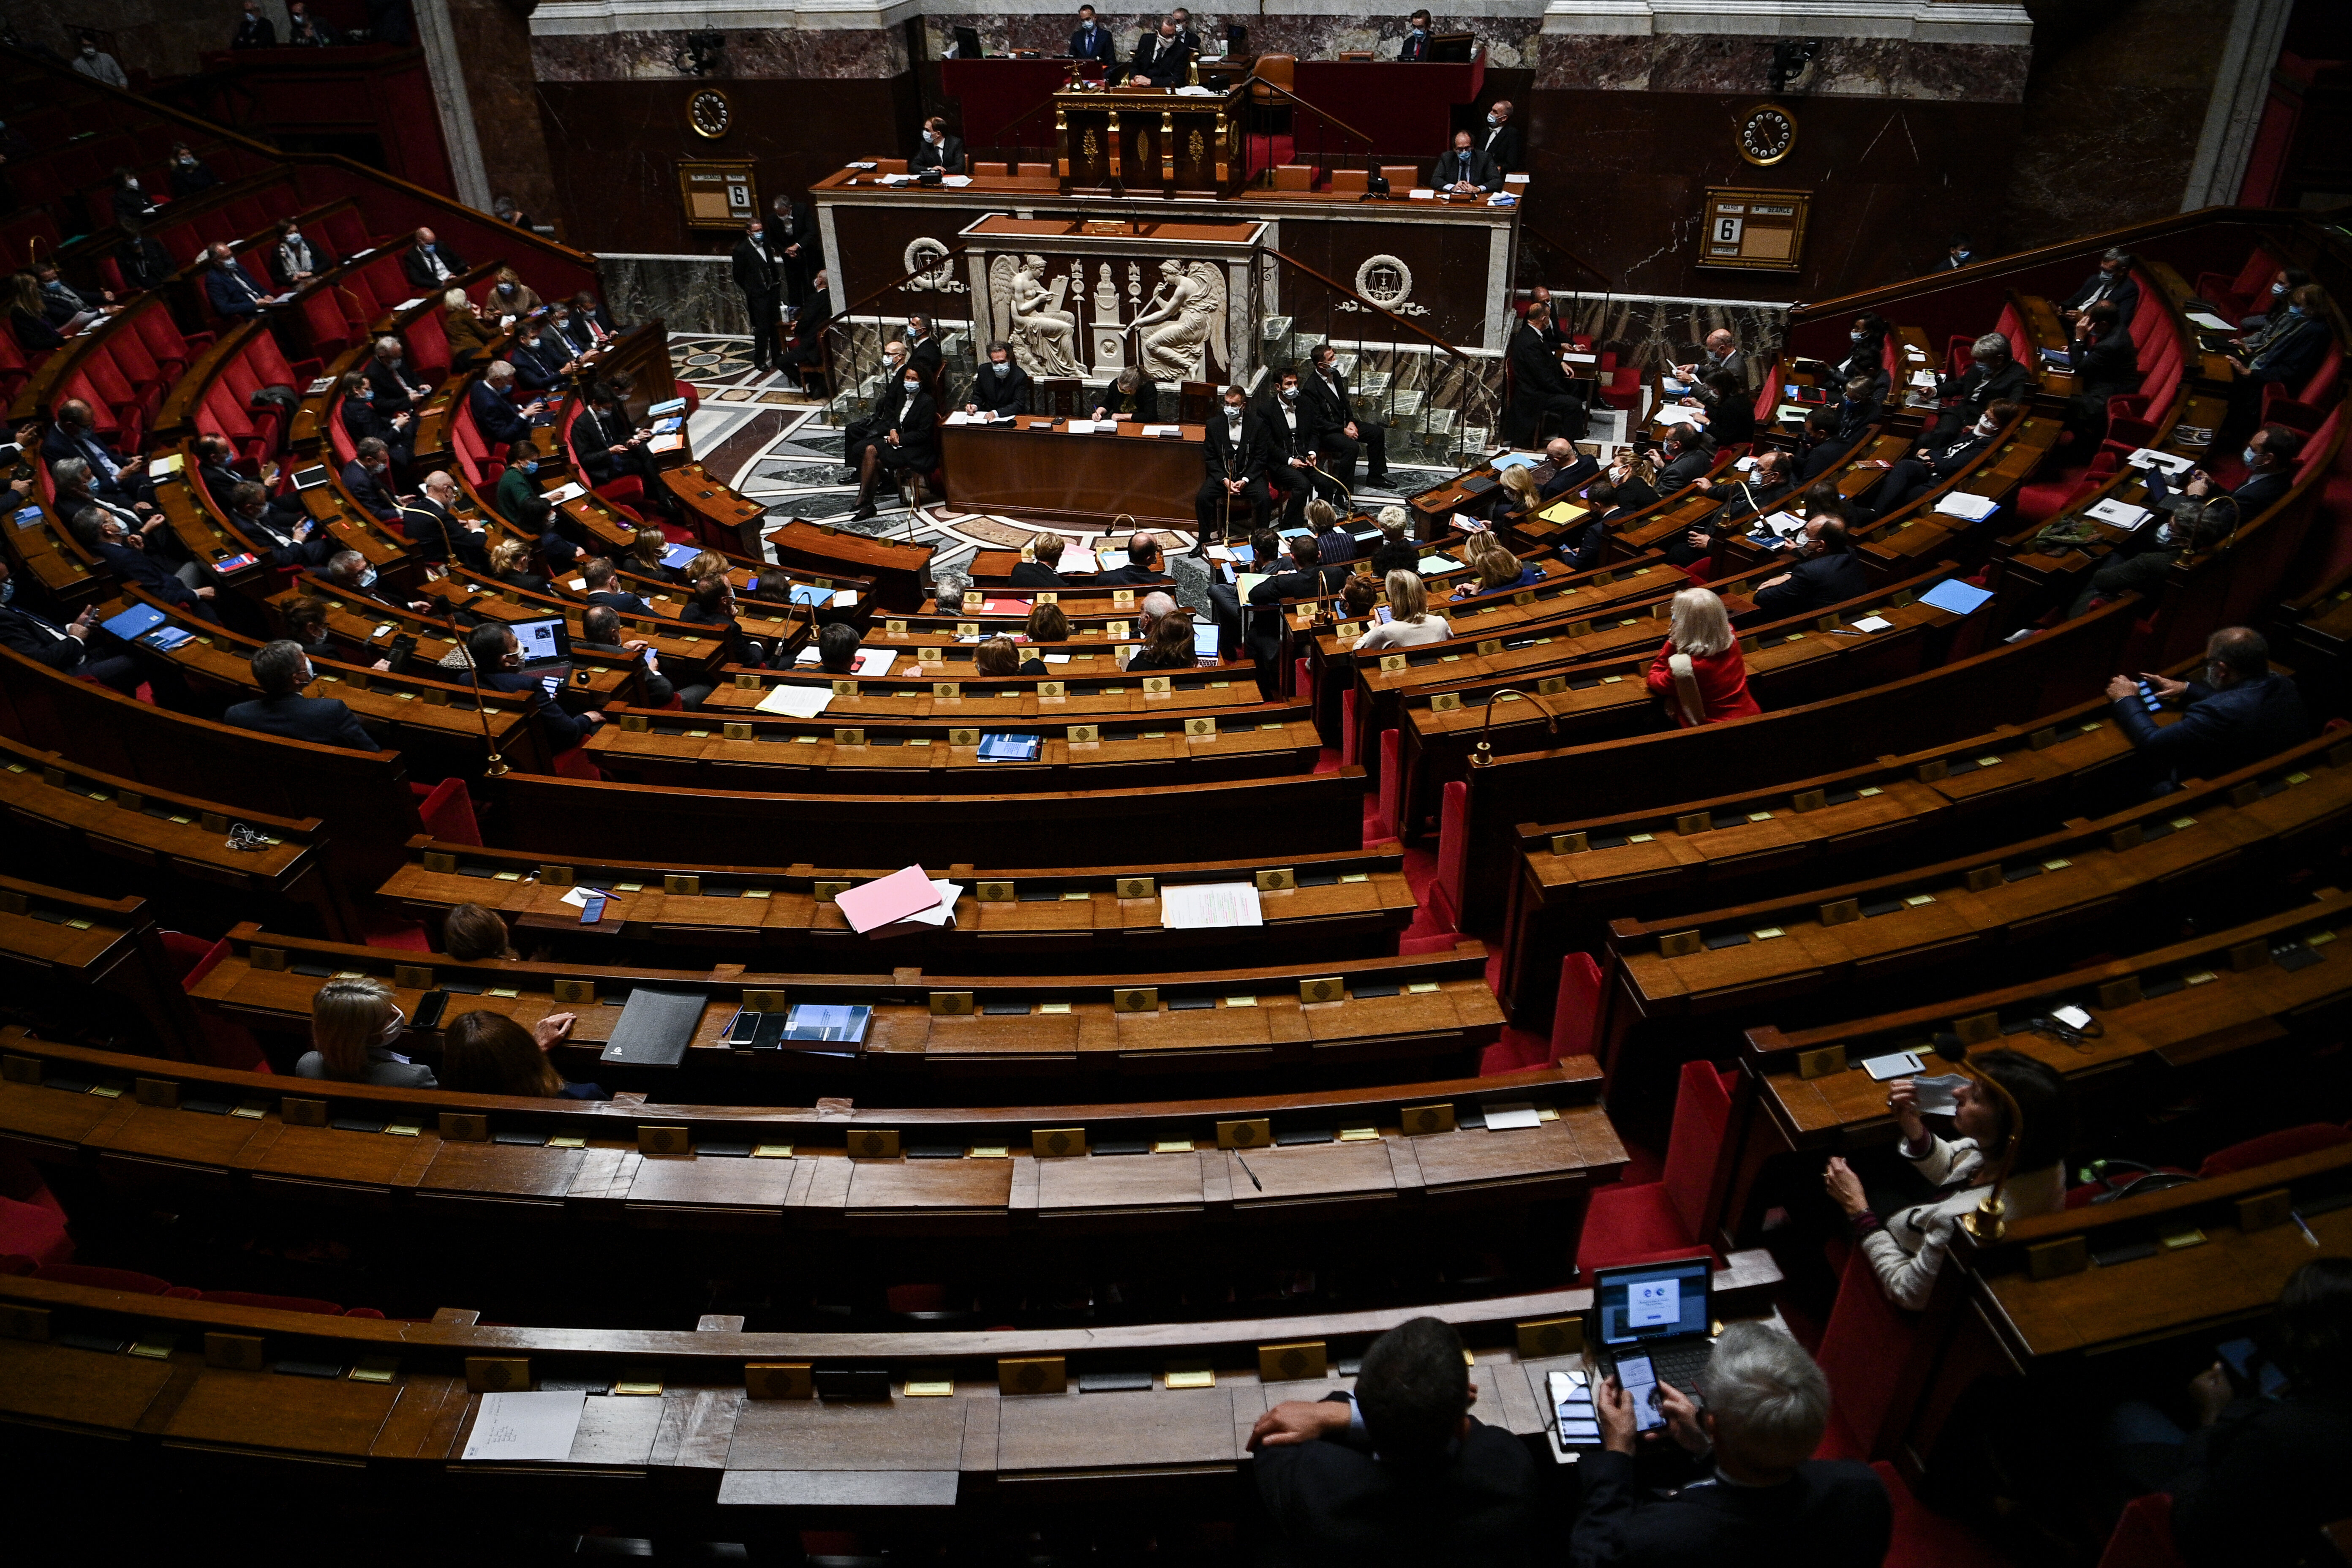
x=1653 y=1300
x=542 y=642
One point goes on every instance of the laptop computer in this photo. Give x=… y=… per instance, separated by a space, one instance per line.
x=1651 y=1325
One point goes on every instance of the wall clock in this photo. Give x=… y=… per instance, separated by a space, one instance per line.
x=1768 y=134
x=709 y=113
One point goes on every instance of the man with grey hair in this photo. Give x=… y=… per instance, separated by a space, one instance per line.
x=2111 y=282
x=1993 y=376
x=1746 y=1489
x=948 y=588
x=282 y=670
x=101 y=531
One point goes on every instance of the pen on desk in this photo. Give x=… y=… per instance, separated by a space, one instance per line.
x=1261 y=1186
x=2303 y=1227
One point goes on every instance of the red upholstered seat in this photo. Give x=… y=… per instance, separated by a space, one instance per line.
x=448 y=811
x=1576 y=1014
x=2272 y=1147
x=111 y=1279
x=2143 y=1536
x=1631 y=1220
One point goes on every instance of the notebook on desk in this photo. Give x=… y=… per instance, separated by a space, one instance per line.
x=654 y=1029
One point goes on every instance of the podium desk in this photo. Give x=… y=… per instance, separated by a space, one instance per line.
x=1033 y=467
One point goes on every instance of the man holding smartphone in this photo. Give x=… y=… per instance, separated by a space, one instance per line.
x=2240 y=713
x=1737 y=1482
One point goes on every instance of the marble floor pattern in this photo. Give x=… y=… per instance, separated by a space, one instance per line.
x=759 y=434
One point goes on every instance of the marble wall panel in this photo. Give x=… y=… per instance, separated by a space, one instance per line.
x=751 y=54
x=689 y=294
x=1511 y=41
x=1846 y=67
x=1655 y=332
x=161 y=37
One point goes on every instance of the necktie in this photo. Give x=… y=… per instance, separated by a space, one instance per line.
x=98 y=457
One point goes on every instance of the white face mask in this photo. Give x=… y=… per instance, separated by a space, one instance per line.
x=1234 y=412
x=392 y=1030
x=1494 y=119
x=1289 y=394
x=913 y=383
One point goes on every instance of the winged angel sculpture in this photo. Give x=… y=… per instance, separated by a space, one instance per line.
x=1188 y=306
x=1030 y=317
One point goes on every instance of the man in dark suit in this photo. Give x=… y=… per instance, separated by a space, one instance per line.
x=1416 y=38
x=1933 y=461
x=1307 y=577
x=2140 y=563
x=141 y=258
x=1291 y=455
x=113 y=477
x=1501 y=141
x=495 y=415
x=606 y=591
x=936 y=149
x=1233 y=483
x=281 y=538
x=395 y=393
x=808 y=327
x=1340 y=434
x=1748 y=1490
x=1130 y=396
x=1159 y=57
x=254 y=30
x=1001 y=386
x=348 y=570
x=1745 y=500
x=236 y=294
x=1993 y=376
x=368 y=476
x=1466 y=170
x=498 y=664
x=889 y=398
x=1819 y=446
x=1398 y=1471
x=542 y=361
x=214 y=460
x=1827 y=572
x=63 y=645
x=2105 y=364
x=282 y=670
x=1539 y=388
x=600 y=626
x=1563 y=470
x=760 y=277
x=1092 y=40
x=1858 y=409
x=1184 y=31
x=429 y=264
x=606 y=445
x=924 y=352
x=2291 y=350
x=432 y=524
x=1143 y=568
x=1684 y=459
x=792 y=234
x=1961 y=253
x=2242 y=711
x=2113 y=282
x=104 y=534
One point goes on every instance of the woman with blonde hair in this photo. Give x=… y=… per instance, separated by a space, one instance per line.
x=1494 y=569
x=1395 y=551
x=510 y=565
x=509 y=294
x=353 y=1024
x=469 y=339
x=1040 y=565
x=647 y=557
x=1699 y=674
x=1519 y=486
x=1410 y=624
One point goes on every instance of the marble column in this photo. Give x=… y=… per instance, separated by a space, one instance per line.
x=2241 y=88
x=438 y=38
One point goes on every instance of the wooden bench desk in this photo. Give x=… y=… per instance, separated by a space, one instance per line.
x=91 y=966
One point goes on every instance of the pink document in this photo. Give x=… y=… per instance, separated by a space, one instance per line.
x=874 y=904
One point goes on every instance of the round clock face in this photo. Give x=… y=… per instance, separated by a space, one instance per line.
x=1766 y=133
x=709 y=113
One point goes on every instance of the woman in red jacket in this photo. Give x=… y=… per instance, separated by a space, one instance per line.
x=1699 y=674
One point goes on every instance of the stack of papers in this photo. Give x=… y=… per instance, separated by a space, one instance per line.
x=903 y=898
x=2147 y=458
x=1962 y=504
x=1088 y=427
x=1163 y=429
x=956 y=181
x=1429 y=563
x=1202 y=906
x=1081 y=562
x=2123 y=514
x=525 y=1426
x=2211 y=322
x=1923 y=379
x=796 y=702
x=565 y=492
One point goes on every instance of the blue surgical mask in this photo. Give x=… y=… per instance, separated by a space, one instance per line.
x=1857 y=336
x=2253 y=458
x=2279 y=286
x=8 y=590
x=367 y=576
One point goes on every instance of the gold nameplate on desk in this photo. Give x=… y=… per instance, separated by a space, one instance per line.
x=635 y=723
x=498 y=1374
x=1050 y=689
x=967 y=628
x=1276 y=880
x=1047 y=597
x=747 y=683
x=1201 y=728
x=849 y=737
x=1031 y=1374
x=929 y=655
x=1547 y=1337
x=735 y=732
x=950 y=1003
x=1123 y=598
x=993 y=893
x=1156 y=686
x=845 y=689
x=1134 y=888
x=2250 y=955
x=1327 y=988
x=555 y=876
x=1821 y=1062
x=1299 y=1361
x=664 y=1140
x=302 y=1112
x=1678 y=944
x=973 y=599
x=2260 y=1211
x=779 y=1380
x=1116 y=630
x=1419 y=1121
x=270 y=958
x=1057 y=1143
x=763 y=1001
x=439 y=863
x=237 y=1353
x=1839 y=912
x=827 y=892
x=963 y=737
x=1445 y=702
x=685 y=885
x=1977 y=1028
x=20 y=1069
x=947 y=689
x=1391 y=662
x=896 y=629
x=1249 y=1132
x=579 y=993
x=1134 y=999
x=1081 y=734
x=874 y=1144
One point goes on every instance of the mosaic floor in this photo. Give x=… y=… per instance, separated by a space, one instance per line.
x=773 y=445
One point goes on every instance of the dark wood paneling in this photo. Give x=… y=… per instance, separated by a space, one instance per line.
x=1448 y=264
x=1891 y=180
x=615 y=146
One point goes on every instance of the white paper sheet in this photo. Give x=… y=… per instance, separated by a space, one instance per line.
x=1961 y=503
x=1504 y=1118
x=525 y=1426
x=2212 y=323
x=1874 y=624
x=796 y=702
x=941 y=914
x=1898 y=1064
x=2123 y=514
x=1202 y=906
x=2147 y=458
